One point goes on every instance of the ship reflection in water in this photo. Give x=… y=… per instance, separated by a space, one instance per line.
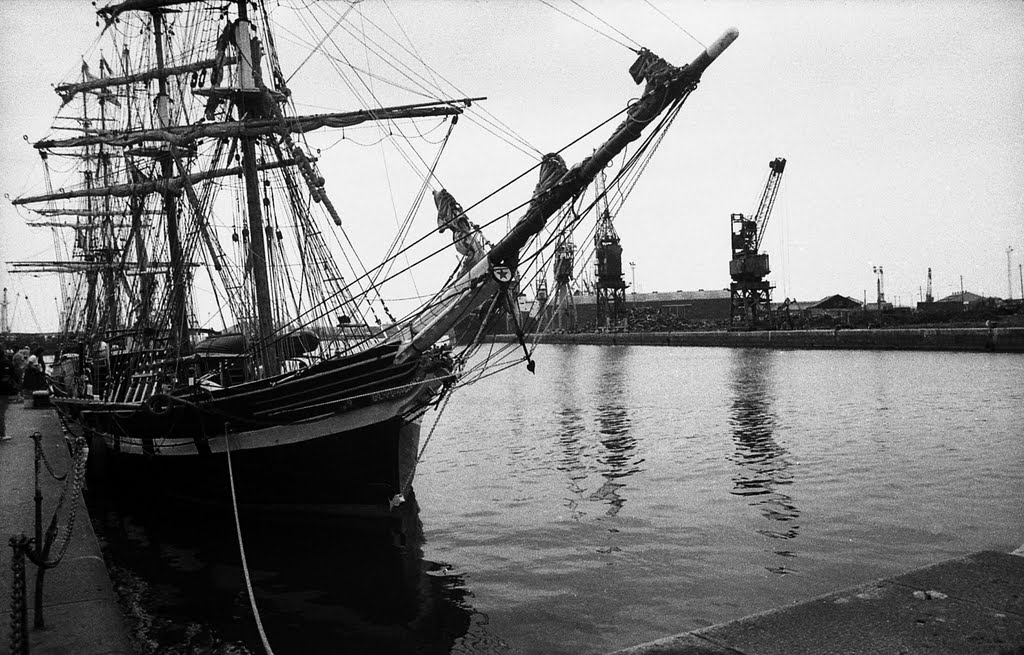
x=616 y=459
x=338 y=585
x=763 y=467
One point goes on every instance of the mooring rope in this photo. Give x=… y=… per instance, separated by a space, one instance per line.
x=241 y=550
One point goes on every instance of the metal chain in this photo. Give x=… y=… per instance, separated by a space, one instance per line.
x=81 y=455
x=404 y=488
x=18 y=636
x=42 y=455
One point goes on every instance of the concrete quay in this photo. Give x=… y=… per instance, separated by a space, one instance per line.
x=996 y=339
x=80 y=608
x=972 y=604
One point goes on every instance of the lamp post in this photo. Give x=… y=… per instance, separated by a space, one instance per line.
x=1009 y=273
x=880 y=293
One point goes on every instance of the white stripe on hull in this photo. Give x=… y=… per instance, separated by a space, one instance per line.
x=278 y=435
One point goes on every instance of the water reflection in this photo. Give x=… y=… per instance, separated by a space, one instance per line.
x=335 y=585
x=570 y=428
x=763 y=466
x=612 y=454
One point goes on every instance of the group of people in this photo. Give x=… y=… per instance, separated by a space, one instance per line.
x=20 y=371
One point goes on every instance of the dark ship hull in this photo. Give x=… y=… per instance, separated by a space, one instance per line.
x=333 y=437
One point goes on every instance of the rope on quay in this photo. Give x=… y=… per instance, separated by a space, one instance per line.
x=241 y=548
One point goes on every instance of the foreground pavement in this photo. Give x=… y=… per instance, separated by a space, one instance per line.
x=972 y=604
x=79 y=606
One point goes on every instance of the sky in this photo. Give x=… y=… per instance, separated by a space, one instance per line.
x=902 y=124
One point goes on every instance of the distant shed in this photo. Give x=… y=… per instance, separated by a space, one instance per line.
x=700 y=305
x=835 y=302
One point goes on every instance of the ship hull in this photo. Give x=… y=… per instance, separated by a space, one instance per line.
x=332 y=439
x=358 y=471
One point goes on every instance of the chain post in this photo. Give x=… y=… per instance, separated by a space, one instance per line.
x=37 y=438
x=40 y=552
x=18 y=636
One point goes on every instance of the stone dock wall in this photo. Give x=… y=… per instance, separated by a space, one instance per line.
x=982 y=339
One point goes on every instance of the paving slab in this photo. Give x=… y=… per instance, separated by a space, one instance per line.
x=972 y=604
x=80 y=608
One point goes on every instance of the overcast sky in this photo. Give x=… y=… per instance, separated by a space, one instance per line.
x=902 y=124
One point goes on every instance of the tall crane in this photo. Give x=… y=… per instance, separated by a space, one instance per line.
x=565 y=306
x=610 y=288
x=751 y=294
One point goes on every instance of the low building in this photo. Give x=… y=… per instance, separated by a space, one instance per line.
x=836 y=305
x=700 y=305
x=954 y=302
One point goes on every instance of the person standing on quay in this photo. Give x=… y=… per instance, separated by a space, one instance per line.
x=7 y=388
x=20 y=359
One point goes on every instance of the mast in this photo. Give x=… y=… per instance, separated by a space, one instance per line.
x=106 y=225
x=249 y=100
x=178 y=332
x=86 y=238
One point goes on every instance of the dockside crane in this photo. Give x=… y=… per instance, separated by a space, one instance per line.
x=750 y=292
x=610 y=286
x=565 y=305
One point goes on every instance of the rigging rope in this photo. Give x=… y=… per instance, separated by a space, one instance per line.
x=604 y=34
x=280 y=334
x=327 y=35
x=406 y=225
x=625 y=36
x=675 y=23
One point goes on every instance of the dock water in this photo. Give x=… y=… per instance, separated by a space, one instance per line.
x=80 y=608
x=971 y=604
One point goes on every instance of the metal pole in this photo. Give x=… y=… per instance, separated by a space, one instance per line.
x=1009 y=273
x=40 y=553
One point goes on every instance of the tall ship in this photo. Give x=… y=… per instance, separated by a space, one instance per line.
x=217 y=308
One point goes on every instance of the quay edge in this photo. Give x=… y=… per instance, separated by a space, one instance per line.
x=80 y=608
x=1003 y=340
x=966 y=605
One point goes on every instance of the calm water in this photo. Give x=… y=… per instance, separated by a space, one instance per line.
x=619 y=495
